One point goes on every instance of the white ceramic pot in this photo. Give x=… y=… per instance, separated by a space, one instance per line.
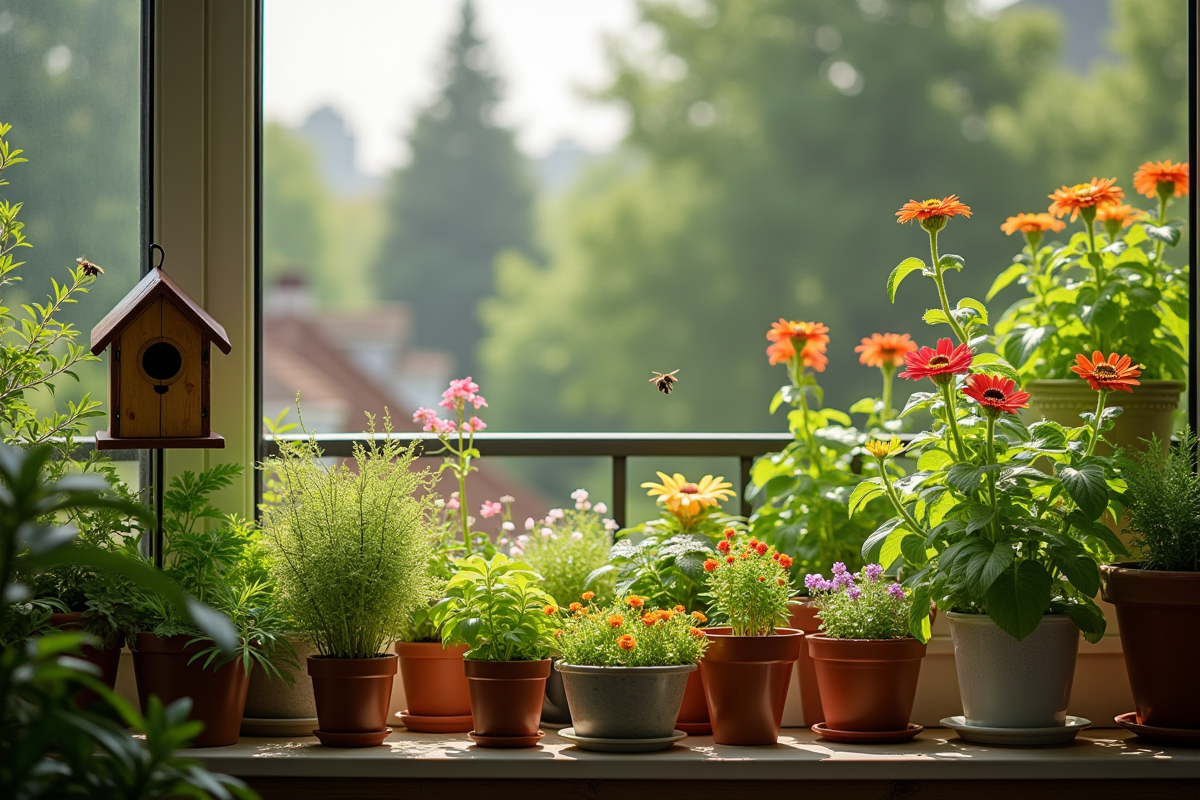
x=1007 y=683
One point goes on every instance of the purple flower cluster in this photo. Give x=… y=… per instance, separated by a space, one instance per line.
x=844 y=579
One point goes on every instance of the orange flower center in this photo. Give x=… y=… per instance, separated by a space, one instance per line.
x=1105 y=372
x=689 y=488
x=938 y=362
x=994 y=394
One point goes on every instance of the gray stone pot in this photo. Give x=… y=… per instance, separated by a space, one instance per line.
x=555 y=710
x=624 y=702
x=1009 y=684
x=272 y=698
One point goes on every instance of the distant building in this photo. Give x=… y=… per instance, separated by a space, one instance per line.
x=336 y=150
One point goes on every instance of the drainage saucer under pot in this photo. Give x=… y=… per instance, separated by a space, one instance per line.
x=867 y=737
x=621 y=745
x=1017 y=737
x=1179 y=737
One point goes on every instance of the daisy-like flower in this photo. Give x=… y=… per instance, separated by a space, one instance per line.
x=940 y=365
x=790 y=337
x=996 y=394
x=1162 y=178
x=1116 y=373
x=1032 y=223
x=885 y=349
x=1084 y=198
x=687 y=500
x=932 y=214
x=1123 y=215
x=882 y=449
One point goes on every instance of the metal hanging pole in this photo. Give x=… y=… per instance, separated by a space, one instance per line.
x=159 y=490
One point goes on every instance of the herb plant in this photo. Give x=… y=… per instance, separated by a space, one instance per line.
x=497 y=608
x=860 y=605
x=348 y=545
x=566 y=547
x=626 y=634
x=749 y=585
x=1162 y=499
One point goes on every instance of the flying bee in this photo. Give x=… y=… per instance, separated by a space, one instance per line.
x=89 y=269
x=663 y=382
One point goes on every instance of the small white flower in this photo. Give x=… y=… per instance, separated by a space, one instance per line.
x=586 y=505
x=555 y=513
x=576 y=537
x=579 y=495
x=517 y=552
x=579 y=506
x=439 y=503
x=507 y=526
x=508 y=499
x=600 y=508
x=470 y=521
x=611 y=525
x=547 y=533
x=503 y=541
x=454 y=495
x=529 y=523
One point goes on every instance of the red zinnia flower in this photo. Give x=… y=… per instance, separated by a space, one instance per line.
x=709 y=565
x=940 y=364
x=1118 y=372
x=724 y=545
x=937 y=210
x=761 y=578
x=780 y=581
x=728 y=559
x=1080 y=197
x=1154 y=173
x=996 y=394
x=761 y=548
x=730 y=533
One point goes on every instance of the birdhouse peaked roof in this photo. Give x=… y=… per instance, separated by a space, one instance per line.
x=156 y=284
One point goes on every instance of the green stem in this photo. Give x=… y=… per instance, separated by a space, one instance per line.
x=941 y=286
x=991 y=476
x=1096 y=423
x=797 y=378
x=888 y=370
x=895 y=498
x=1089 y=221
x=952 y=420
x=1159 y=245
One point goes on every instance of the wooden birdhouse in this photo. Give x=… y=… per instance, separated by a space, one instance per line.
x=159 y=388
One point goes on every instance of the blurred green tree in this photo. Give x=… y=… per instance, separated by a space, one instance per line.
x=464 y=197
x=296 y=209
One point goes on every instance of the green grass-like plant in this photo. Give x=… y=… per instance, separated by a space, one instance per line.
x=348 y=544
x=565 y=548
x=1162 y=498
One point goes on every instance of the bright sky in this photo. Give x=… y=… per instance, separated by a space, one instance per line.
x=376 y=62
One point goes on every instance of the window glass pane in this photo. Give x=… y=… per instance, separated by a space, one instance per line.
x=71 y=91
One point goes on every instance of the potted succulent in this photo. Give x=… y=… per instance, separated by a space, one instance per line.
x=1109 y=288
x=625 y=669
x=866 y=661
x=497 y=609
x=1158 y=597
x=748 y=666
x=205 y=553
x=348 y=549
x=1008 y=549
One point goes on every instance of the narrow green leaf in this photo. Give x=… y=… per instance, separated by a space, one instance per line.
x=902 y=271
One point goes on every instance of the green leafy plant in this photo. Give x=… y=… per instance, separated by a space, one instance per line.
x=749 y=585
x=1162 y=499
x=566 y=548
x=860 y=605
x=498 y=609
x=348 y=545
x=626 y=634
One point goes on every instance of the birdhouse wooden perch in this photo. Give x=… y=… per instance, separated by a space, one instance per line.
x=158 y=368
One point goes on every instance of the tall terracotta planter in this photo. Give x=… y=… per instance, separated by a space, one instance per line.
x=746 y=681
x=804 y=618
x=1159 y=616
x=866 y=684
x=435 y=686
x=106 y=659
x=352 y=697
x=506 y=701
x=161 y=668
x=693 y=716
x=1149 y=409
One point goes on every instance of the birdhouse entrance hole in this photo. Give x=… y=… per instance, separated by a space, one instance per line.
x=162 y=361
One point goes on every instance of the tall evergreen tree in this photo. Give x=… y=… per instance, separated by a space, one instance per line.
x=463 y=198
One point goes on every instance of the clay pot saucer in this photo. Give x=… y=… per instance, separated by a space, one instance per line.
x=1179 y=737
x=867 y=737
x=359 y=739
x=621 y=745
x=419 y=724
x=694 y=728
x=506 y=741
x=1017 y=737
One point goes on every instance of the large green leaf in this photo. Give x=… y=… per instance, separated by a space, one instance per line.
x=1087 y=487
x=1009 y=275
x=900 y=273
x=1019 y=597
x=984 y=564
x=864 y=493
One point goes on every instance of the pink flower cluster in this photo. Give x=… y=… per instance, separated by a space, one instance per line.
x=430 y=422
x=461 y=392
x=490 y=509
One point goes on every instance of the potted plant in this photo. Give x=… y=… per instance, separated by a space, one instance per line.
x=866 y=661
x=625 y=669
x=1158 y=596
x=1109 y=288
x=205 y=553
x=496 y=607
x=1009 y=550
x=348 y=548
x=748 y=666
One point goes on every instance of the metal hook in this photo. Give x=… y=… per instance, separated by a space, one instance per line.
x=162 y=255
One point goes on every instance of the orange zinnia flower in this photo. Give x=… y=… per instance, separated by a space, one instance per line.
x=699 y=617
x=790 y=337
x=1119 y=214
x=1032 y=223
x=626 y=642
x=885 y=349
x=576 y=607
x=932 y=214
x=996 y=394
x=1117 y=372
x=1084 y=196
x=634 y=601
x=679 y=609
x=616 y=620
x=699 y=634
x=785 y=561
x=588 y=595
x=1153 y=174
x=709 y=565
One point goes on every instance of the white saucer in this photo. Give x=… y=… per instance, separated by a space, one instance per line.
x=1017 y=737
x=262 y=726
x=621 y=745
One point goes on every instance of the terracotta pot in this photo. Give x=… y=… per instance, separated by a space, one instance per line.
x=693 y=712
x=506 y=696
x=866 y=684
x=435 y=684
x=106 y=659
x=270 y=697
x=1149 y=409
x=804 y=618
x=161 y=668
x=352 y=694
x=746 y=681
x=1159 y=616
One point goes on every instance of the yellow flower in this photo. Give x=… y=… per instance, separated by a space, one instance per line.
x=686 y=500
x=881 y=449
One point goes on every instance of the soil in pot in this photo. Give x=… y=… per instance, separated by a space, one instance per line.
x=1007 y=683
x=506 y=697
x=160 y=666
x=1159 y=616
x=693 y=711
x=866 y=684
x=270 y=697
x=352 y=694
x=804 y=618
x=435 y=683
x=746 y=681
x=624 y=702
x=106 y=659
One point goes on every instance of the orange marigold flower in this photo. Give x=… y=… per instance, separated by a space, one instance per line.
x=709 y=565
x=699 y=634
x=785 y=561
x=1116 y=373
x=1154 y=174
x=634 y=601
x=576 y=607
x=699 y=616
x=724 y=545
x=885 y=349
x=1032 y=223
x=780 y=581
x=550 y=610
x=1083 y=196
x=1119 y=214
x=616 y=620
x=626 y=642
x=588 y=595
x=761 y=548
x=649 y=620
x=932 y=214
x=938 y=365
x=753 y=542
x=997 y=394
x=678 y=609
